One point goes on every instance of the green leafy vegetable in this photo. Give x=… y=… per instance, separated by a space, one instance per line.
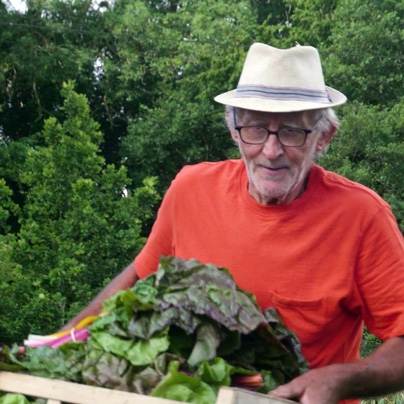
x=181 y=334
x=181 y=387
x=12 y=398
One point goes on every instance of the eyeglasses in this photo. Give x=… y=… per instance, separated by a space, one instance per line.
x=287 y=136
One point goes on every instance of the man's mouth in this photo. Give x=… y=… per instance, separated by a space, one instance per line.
x=273 y=168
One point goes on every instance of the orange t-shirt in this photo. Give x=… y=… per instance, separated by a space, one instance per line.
x=327 y=261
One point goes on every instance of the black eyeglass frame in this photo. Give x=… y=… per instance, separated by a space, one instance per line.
x=272 y=132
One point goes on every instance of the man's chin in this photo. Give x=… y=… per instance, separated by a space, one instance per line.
x=272 y=192
x=271 y=188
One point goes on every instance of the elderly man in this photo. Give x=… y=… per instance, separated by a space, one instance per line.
x=325 y=251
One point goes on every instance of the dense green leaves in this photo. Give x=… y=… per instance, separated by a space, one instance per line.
x=366 y=61
x=77 y=230
x=192 y=52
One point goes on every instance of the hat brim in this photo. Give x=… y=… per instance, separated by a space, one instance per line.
x=274 y=105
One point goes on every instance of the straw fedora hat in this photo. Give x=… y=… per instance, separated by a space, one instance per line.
x=282 y=80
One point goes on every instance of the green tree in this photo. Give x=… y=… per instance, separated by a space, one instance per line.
x=78 y=230
x=51 y=43
x=284 y=23
x=40 y=49
x=367 y=38
x=193 y=52
x=7 y=207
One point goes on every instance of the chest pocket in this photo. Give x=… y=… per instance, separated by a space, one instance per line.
x=307 y=318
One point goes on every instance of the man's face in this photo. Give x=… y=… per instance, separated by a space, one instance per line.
x=276 y=173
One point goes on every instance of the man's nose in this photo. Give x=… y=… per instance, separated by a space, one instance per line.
x=273 y=148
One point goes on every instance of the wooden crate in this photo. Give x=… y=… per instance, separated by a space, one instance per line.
x=58 y=391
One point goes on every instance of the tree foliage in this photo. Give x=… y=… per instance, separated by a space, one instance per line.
x=366 y=61
x=192 y=51
x=77 y=229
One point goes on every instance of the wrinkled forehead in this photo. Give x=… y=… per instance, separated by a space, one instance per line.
x=245 y=116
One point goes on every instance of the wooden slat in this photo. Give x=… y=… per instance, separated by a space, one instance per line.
x=230 y=395
x=58 y=391
x=226 y=396
x=72 y=393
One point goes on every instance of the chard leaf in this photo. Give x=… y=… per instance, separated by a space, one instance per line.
x=207 y=341
x=125 y=302
x=103 y=369
x=287 y=338
x=63 y=363
x=147 y=323
x=9 y=360
x=269 y=382
x=13 y=398
x=181 y=387
x=145 y=292
x=216 y=372
x=103 y=321
x=207 y=290
x=137 y=352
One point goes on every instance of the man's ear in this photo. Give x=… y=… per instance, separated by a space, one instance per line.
x=325 y=139
x=235 y=135
x=233 y=132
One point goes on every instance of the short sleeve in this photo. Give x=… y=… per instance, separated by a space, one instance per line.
x=380 y=275
x=161 y=239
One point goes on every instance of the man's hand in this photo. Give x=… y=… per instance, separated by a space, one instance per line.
x=317 y=386
x=379 y=374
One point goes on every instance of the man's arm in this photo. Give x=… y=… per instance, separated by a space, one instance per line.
x=126 y=279
x=379 y=374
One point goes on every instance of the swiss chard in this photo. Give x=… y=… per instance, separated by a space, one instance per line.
x=180 y=333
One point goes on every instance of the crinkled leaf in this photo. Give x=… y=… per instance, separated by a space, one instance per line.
x=216 y=372
x=13 y=398
x=63 y=363
x=125 y=302
x=145 y=324
x=111 y=323
x=207 y=341
x=269 y=382
x=207 y=290
x=286 y=337
x=104 y=369
x=137 y=352
x=8 y=359
x=181 y=387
